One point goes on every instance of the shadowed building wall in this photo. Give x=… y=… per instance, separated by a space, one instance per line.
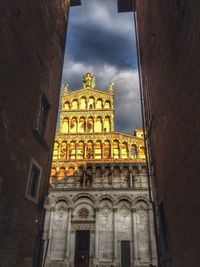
x=170 y=59
x=32 y=50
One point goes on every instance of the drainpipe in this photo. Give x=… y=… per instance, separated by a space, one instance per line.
x=149 y=175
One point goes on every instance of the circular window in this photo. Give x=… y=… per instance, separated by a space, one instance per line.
x=83 y=213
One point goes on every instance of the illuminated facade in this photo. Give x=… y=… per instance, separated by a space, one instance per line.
x=98 y=208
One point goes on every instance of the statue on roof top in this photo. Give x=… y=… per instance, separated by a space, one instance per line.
x=89 y=80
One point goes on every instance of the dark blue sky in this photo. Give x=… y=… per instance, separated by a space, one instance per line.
x=101 y=40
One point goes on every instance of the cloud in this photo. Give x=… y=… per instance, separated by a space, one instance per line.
x=101 y=34
x=102 y=41
x=126 y=90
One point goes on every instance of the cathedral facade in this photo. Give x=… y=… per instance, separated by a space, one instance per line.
x=98 y=208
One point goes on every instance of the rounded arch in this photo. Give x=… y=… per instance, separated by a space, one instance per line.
x=106 y=149
x=140 y=199
x=91 y=102
x=90 y=124
x=82 y=124
x=64 y=127
x=124 y=198
x=63 y=150
x=107 y=124
x=90 y=149
x=82 y=195
x=98 y=149
x=116 y=151
x=106 y=197
x=83 y=104
x=72 y=150
x=74 y=104
x=124 y=150
x=107 y=104
x=98 y=126
x=66 y=105
x=73 y=125
x=80 y=149
x=99 y=103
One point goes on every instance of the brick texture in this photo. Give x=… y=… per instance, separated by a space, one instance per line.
x=32 y=37
x=170 y=58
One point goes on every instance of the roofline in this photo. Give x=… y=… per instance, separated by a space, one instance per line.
x=85 y=89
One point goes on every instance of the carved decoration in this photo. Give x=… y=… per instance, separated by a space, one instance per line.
x=61 y=210
x=83 y=213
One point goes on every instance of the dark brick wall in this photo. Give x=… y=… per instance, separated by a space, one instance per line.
x=32 y=41
x=170 y=62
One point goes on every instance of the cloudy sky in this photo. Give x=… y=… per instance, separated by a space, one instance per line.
x=101 y=40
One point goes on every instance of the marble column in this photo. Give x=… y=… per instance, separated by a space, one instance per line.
x=68 y=235
x=50 y=231
x=115 y=235
x=97 y=237
x=135 y=244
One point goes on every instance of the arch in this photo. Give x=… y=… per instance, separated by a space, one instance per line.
x=116 y=151
x=99 y=103
x=135 y=170
x=107 y=124
x=73 y=125
x=61 y=173
x=90 y=125
x=83 y=103
x=91 y=102
x=66 y=105
x=143 y=169
x=107 y=104
x=98 y=150
x=124 y=198
x=55 y=150
x=84 y=195
x=98 y=171
x=124 y=150
x=63 y=150
x=116 y=171
x=106 y=197
x=133 y=151
x=89 y=150
x=72 y=150
x=98 y=125
x=106 y=149
x=60 y=202
x=82 y=125
x=74 y=104
x=80 y=150
x=64 y=128
x=139 y=199
x=71 y=171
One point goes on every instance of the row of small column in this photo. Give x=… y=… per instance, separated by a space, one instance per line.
x=63 y=151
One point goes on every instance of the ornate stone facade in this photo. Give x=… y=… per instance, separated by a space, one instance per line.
x=99 y=188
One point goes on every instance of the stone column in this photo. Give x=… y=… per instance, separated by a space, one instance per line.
x=67 y=256
x=112 y=170
x=68 y=150
x=115 y=235
x=76 y=147
x=134 y=233
x=130 y=177
x=97 y=237
x=50 y=231
x=111 y=152
x=120 y=154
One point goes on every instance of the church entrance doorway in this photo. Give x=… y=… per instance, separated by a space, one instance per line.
x=125 y=253
x=82 y=248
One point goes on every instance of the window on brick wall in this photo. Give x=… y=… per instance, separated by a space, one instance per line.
x=43 y=116
x=33 y=183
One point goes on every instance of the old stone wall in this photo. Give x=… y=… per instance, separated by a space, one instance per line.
x=32 y=37
x=170 y=60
